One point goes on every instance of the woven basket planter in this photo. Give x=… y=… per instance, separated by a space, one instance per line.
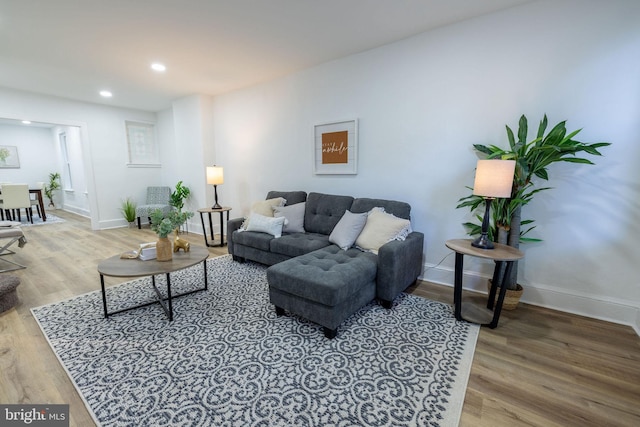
x=511 y=298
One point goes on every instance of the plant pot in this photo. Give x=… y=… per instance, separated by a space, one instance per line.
x=163 y=249
x=511 y=297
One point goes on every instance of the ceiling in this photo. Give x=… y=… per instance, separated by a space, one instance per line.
x=74 y=49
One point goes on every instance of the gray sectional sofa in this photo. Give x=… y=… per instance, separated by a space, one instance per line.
x=312 y=277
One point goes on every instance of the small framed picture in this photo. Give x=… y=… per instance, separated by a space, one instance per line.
x=9 y=157
x=336 y=148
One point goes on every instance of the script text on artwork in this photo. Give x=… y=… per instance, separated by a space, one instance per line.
x=335 y=147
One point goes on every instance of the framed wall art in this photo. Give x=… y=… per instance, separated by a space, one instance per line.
x=336 y=148
x=9 y=157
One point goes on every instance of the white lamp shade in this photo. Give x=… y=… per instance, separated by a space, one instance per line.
x=215 y=175
x=494 y=178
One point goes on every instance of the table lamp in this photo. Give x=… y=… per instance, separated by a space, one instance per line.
x=215 y=177
x=494 y=179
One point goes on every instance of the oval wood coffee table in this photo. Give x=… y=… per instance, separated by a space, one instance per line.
x=119 y=267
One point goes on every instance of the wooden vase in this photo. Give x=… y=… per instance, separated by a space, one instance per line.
x=163 y=249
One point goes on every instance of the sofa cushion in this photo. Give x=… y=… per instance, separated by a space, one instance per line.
x=323 y=211
x=382 y=227
x=348 y=229
x=327 y=276
x=399 y=209
x=292 y=197
x=297 y=244
x=253 y=239
x=294 y=215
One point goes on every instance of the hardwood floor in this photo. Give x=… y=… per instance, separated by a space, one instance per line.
x=538 y=368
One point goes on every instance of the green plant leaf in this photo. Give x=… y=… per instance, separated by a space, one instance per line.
x=532 y=162
x=523 y=129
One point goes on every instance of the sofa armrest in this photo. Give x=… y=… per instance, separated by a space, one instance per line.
x=232 y=225
x=399 y=265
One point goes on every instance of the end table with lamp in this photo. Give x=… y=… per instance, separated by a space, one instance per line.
x=215 y=177
x=210 y=211
x=493 y=179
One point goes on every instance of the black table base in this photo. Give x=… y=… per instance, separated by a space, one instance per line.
x=165 y=303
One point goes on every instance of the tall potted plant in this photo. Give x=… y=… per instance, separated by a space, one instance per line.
x=532 y=160
x=54 y=184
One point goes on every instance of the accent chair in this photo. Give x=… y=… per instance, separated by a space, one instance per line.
x=157 y=198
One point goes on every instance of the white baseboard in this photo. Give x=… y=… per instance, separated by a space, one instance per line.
x=76 y=210
x=582 y=304
x=192 y=226
x=69 y=208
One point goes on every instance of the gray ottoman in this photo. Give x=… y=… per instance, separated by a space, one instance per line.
x=325 y=286
x=8 y=294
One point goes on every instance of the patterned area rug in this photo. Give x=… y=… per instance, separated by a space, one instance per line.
x=51 y=219
x=228 y=360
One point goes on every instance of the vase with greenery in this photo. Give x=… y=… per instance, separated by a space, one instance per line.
x=128 y=209
x=163 y=225
x=49 y=188
x=532 y=160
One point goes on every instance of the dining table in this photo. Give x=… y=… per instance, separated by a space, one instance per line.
x=38 y=193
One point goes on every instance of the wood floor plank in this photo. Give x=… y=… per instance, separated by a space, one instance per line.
x=538 y=368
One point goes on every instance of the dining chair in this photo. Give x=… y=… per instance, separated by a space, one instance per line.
x=14 y=198
x=34 y=197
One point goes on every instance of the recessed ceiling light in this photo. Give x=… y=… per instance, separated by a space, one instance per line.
x=106 y=93
x=26 y=122
x=156 y=66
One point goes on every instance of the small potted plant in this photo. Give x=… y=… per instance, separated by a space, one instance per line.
x=54 y=184
x=128 y=209
x=163 y=225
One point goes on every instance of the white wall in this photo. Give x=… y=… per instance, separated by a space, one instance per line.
x=423 y=102
x=36 y=152
x=104 y=148
x=74 y=198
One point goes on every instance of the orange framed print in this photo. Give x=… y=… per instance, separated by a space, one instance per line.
x=336 y=148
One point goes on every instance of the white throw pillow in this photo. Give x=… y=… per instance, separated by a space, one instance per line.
x=264 y=208
x=382 y=227
x=294 y=215
x=348 y=229
x=265 y=224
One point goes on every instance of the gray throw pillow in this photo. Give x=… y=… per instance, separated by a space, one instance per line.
x=348 y=229
x=294 y=215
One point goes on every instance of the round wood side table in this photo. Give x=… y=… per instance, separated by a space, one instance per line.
x=499 y=254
